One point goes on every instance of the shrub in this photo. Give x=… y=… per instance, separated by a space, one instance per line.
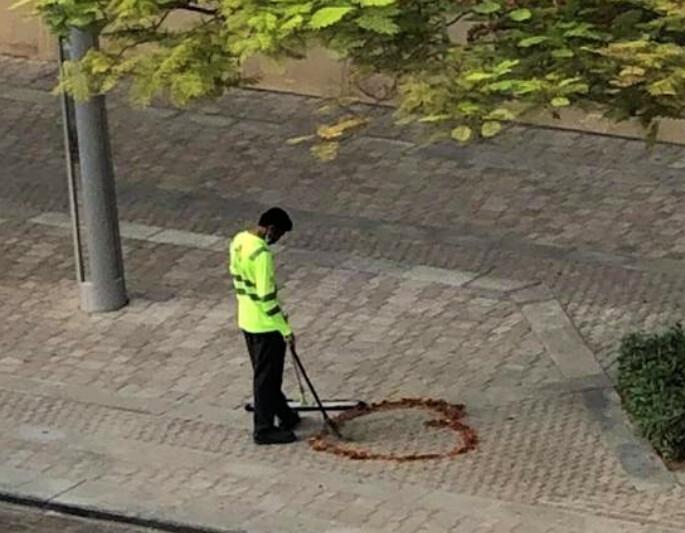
x=651 y=382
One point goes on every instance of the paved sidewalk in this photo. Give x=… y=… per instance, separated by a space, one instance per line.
x=140 y=411
x=595 y=218
x=457 y=273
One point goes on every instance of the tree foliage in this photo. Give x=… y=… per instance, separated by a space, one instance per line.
x=624 y=58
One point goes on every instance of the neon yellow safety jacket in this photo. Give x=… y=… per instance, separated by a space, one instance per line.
x=251 y=265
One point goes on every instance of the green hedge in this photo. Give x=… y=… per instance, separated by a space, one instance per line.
x=651 y=382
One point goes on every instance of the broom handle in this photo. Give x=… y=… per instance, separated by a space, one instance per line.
x=303 y=400
x=326 y=418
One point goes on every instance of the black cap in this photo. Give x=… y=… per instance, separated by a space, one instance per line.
x=276 y=217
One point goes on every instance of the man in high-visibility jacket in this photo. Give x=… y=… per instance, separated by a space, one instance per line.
x=264 y=324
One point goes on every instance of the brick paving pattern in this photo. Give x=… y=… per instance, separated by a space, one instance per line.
x=593 y=219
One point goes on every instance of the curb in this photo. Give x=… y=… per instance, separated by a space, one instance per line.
x=109 y=516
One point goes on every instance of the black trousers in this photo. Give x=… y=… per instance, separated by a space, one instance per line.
x=267 y=353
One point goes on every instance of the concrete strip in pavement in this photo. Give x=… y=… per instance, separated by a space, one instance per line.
x=645 y=468
x=556 y=331
x=492 y=283
x=84 y=394
x=185 y=238
x=131 y=230
x=189 y=239
x=577 y=363
x=58 y=220
x=144 y=232
x=23 y=94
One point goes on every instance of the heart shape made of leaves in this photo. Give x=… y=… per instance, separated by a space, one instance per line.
x=449 y=417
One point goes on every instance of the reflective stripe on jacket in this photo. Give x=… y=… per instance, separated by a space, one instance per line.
x=251 y=266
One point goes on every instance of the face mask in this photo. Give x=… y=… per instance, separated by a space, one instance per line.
x=270 y=238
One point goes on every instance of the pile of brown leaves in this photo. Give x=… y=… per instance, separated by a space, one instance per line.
x=450 y=416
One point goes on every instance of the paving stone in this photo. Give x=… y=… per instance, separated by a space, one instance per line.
x=426 y=273
x=131 y=230
x=185 y=238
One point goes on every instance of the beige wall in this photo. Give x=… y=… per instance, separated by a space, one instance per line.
x=22 y=35
x=319 y=75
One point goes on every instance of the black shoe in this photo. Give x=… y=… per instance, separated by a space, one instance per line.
x=291 y=422
x=275 y=436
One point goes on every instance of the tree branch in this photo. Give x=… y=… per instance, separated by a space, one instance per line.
x=197 y=9
x=190 y=5
x=456 y=19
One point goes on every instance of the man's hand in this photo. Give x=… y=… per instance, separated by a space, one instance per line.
x=290 y=339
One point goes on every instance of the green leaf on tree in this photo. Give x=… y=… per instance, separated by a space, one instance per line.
x=520 y=15
x=378 y=24
x=500 y=114
x=560 y=101
x=563 y=53
x=479 y=76
x=375 y=3
x=435 y=118
x=328 y=16
x=662 y=88
x=487 y=8
x=532 y=41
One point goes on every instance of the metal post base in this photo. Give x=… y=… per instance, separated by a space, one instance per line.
x=109 y=296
